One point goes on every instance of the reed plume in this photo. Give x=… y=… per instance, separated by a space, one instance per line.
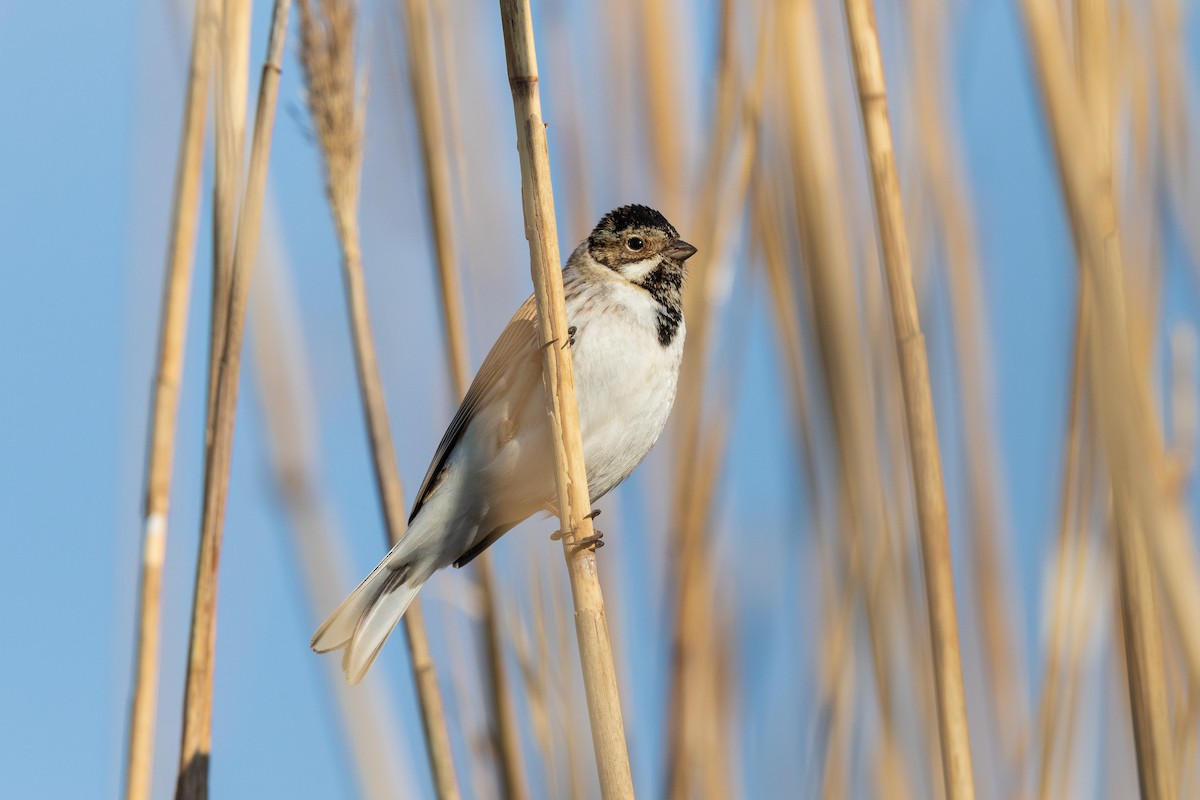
x=336 y=103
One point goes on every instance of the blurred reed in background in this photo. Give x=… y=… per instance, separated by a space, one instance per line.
x=758 y=155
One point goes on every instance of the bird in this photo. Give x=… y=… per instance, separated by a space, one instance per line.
x=494 y=467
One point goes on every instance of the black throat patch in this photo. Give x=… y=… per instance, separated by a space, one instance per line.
x=665 y=285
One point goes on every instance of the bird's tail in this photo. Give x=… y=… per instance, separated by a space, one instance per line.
x=363 y=621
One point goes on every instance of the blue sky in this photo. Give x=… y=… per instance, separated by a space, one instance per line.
x=91 y=94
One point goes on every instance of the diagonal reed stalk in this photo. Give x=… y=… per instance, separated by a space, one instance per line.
x=428 y=108
x=139 y=749
x=1073 y=487
x=1121 y=405
x=573 y=502
x=284 y=382
x=842 y=352
x=696 y=748
x=229 y=137
x=918 y=403
x=328 y=59
x=196 y=742
x=940 y=156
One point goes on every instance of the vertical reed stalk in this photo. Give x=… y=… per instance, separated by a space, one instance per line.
x=436 y=161
x=842 y=352
x=1121 y=411
x=595 y=648
x=285 y=390
x=1072 y=489
x=918 y=402
x=506 y=733
x=695 y=746
x=233 y=59
x=197 y=713
x=172 y=331
x=941 y=159
x=335 y=100
x=657 y=23
x=427 y=104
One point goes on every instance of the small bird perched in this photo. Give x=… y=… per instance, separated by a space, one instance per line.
x=495 y=465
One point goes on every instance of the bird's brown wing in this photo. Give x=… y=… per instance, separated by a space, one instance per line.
x=508 y=362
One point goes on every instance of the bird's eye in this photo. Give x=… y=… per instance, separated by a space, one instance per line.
x=635 y=243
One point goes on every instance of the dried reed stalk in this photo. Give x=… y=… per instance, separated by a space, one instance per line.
x=1172 y=549
x=177 y=285
x=1121 y=406
x=506 y=734
x=436 y=162
x=1072 y=489
x=197 y=712
x=285 y=390
x=233 y=60
x=918 y=401
x=941 y=162
x=832 y=719
x=658 y=22
x=782 y=293
x=532 y=651
x=842 y=352
x=427 y=103
x=335 y=100
x=696 y=731
x=573 y=503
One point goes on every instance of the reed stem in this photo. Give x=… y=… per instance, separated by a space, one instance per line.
x=229 y=137
x=196 y=742
x=327 y=56
x=431 y=125
x=283 y=377
x=918 y=402
x=177 y=288
x=573 y=506
x=1121 y=412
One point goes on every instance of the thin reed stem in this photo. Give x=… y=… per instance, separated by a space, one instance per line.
x=842 y=351
x=1120 y=404
x=941 y=160
x=196 y=743
x=573 y=506
x=172 y=332
x=436 y=161
x=427 y=103
x=1073 y=488
x=229 y=137
x=918 y=402
x=284 y=382
x=327 y=56
x=695 y=732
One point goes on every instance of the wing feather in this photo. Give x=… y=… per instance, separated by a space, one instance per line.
x=507 y=362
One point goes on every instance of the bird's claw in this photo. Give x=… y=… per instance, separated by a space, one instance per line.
x=570 y=337
x=595 y=542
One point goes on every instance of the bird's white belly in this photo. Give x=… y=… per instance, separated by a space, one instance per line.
x=625 y=383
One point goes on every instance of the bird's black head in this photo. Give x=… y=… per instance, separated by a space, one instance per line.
x=635 y=240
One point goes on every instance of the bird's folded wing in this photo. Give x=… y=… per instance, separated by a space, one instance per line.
x=513 y=359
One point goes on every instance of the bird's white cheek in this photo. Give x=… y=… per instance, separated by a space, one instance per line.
x=638 y=270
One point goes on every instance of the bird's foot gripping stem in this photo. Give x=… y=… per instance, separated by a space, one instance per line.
x=595 y=541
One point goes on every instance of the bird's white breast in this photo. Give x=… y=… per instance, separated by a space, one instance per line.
x=625 y=381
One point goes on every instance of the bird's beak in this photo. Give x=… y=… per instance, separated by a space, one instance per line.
x=679 y=250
